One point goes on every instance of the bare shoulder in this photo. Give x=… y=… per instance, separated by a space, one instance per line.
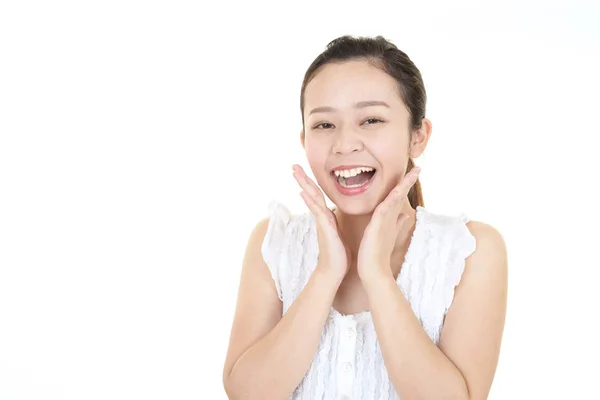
x=254 y=266
x=487 y=265
x=257 y=236
x=258 y=307
x=472 y=333
x=484 y=230
x=485 y=273
x=490 y=246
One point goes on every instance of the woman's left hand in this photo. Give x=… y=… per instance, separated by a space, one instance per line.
x=380 y=235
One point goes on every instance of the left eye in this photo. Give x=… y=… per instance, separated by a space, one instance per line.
x=373 y=119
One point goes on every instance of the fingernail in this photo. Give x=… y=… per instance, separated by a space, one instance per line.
x=414 y=177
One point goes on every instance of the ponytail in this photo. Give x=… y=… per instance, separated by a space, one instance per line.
x=415 y=195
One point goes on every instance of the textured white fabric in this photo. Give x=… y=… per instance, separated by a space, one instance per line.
x=348 y=363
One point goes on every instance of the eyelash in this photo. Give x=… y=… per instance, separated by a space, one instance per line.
x=368 y=119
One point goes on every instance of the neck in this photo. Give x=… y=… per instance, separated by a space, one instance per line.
x=352 y=228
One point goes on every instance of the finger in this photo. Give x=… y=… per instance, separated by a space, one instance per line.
x=395 y=199
x=309 y=190
x=315 y=209
x=409 y=180
x=402 y=219
x=391 y=205
x=406 y=183
x=310 y=186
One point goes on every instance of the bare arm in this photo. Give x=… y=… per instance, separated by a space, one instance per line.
x=465 y=361
x=269 y=354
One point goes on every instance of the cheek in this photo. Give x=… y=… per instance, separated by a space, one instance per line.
x=392 y=158
x=316 y=155
x=317 y=160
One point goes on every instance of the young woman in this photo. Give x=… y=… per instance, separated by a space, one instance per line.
x=379 y=298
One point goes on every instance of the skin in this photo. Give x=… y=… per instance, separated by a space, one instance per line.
x=375 y=136
x=364 y=241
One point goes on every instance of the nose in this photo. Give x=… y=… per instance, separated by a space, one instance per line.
x=346 y=141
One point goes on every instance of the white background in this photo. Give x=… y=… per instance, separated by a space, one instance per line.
x=142 y=141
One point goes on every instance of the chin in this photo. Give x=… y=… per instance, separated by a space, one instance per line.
x=351 y=207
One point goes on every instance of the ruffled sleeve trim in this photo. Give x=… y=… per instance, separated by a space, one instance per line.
x=273 y=245
x=464 y=218
x=463 y=246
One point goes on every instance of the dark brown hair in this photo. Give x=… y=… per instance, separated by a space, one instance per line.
x=382 y=54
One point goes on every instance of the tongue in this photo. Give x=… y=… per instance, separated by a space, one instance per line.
x=359 y=179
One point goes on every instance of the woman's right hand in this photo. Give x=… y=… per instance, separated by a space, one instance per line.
x=334 y=255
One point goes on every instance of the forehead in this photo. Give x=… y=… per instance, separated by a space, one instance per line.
x=342 y=85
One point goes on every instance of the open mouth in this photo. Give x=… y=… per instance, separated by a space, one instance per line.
x=354 y=178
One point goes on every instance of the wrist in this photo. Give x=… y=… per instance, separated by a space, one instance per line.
x=329 y=276
x=377 y=277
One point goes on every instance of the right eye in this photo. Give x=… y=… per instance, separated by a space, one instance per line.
x=323 y=124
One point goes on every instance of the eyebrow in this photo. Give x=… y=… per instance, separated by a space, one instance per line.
x=360 y=104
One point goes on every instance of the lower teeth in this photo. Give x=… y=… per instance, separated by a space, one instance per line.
x=342 y=182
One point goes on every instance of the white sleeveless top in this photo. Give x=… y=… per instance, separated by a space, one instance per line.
x=348 y=363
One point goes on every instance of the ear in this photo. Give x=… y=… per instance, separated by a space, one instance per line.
x=419 y=138
x=302 y=137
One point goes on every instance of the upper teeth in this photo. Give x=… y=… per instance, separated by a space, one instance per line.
x=347 y=173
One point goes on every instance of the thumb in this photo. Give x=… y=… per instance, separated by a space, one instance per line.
x=402 y=219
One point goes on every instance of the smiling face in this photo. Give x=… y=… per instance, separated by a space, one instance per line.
x=354 y=117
